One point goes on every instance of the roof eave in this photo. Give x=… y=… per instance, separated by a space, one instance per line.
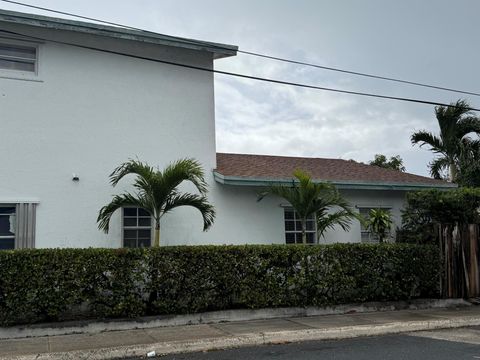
x=218 y=50
x=340 y=184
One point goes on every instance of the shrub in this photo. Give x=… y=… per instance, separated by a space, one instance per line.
x=428 y=207
x=53 y=284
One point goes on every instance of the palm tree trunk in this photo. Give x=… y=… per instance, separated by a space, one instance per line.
x=304 y=232
x=157 y=234
x=453 y=172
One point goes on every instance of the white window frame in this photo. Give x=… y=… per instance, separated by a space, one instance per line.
x=21 y=74
x=314 y=231
x=137 y=227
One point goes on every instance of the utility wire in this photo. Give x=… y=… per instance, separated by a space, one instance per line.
x=251 y=53
x=238 y=75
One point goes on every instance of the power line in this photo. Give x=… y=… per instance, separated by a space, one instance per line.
x=238 y=75
x=408 y=82
x=251 y=53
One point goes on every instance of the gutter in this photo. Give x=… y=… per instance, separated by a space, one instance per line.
x=340 y=184
x=55 y=23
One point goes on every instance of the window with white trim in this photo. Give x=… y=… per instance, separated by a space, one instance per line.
x=366 y=236
x=17 y=225
x=19 y=58
x=293 y=228
x=137 y=228
x=7 y=227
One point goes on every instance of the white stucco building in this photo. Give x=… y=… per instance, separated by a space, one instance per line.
x=77 y=99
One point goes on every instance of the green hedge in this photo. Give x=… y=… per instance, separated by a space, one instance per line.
x=60 y=284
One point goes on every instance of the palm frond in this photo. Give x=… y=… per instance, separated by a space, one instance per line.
x=142 y=170
x=197 y=201
x=427 y=138
x=437 y=166
x=118 y=202
x=287 y=192
x=467 y=125
x=308 y=197
x=184 y=170
x=342 y=218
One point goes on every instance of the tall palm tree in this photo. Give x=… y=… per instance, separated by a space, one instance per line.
x=469 y=164
x=319 y=199
x=157 y=192
x=455 y=122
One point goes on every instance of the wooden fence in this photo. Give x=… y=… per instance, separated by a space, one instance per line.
x=460 y=247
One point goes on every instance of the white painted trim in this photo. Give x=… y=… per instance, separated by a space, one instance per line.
x=371 y=206
x=19 y=201
x=32 y=79
x=22 y=75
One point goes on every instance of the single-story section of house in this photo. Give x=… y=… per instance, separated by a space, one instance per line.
x=364 y=186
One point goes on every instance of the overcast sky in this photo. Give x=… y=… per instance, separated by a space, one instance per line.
x=433 y=42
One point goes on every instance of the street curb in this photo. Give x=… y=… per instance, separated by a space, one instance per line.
x=175 y=347
x=213 y=317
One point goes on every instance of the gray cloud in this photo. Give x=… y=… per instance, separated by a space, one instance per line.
x=407 y=39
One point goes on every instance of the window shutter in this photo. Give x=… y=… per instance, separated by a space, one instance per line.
x=25 y=226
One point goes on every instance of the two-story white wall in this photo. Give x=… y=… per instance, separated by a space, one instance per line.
x=78 y=99
x=84 y=112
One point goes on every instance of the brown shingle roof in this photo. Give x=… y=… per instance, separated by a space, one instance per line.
x=334 y=170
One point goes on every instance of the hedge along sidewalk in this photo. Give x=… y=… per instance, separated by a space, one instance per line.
x=225 y=316
x=45 y=285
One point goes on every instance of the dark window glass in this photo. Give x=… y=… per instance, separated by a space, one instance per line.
x=130 y=243
x=289 y=215
x=18 y=52
x=130 y=211
x=310 y=238
x=7 y=221
x=289 y=225
x=7 y=244
x=290 y=238
x=298 y=238
x=310 y=225
x=128 y=221
x=298 y=225
x=17 y=65
x=142 y=212
x=144 y=242
x=130 y=234
x=144 y=222
x=144 y=234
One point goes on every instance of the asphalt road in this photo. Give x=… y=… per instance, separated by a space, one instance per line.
x=457 y=344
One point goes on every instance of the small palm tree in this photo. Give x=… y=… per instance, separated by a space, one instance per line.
x=309 y=198
x=380 y=223
x=157 y=192
x=455 y=122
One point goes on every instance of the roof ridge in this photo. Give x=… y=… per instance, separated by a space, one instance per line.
x=284 y=156
x=349 y=170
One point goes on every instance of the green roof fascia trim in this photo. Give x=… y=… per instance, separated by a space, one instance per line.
x=219 y=50
x=340 y=184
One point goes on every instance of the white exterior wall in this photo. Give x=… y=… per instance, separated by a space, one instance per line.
x=245 y=221
x=393 y=201
x=86 y=112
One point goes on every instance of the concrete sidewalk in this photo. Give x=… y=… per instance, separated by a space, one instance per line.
x=165 y=340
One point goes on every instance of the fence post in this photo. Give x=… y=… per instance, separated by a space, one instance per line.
x=474 y=276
